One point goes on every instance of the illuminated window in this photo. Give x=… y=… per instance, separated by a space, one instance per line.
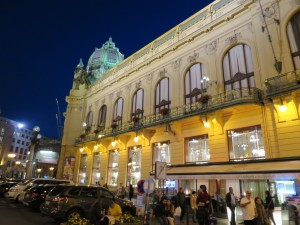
x=138 y=104
x=197 y=149
x=193 y=85
x=246 y=143
x=102 y=118
x=162 y=95
x=96 y=168
x=293 y=31
x=161 y=153
x=113 y=167
x=118 y=112
x=134 y=164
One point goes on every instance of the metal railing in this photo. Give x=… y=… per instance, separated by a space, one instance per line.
x=216 y=102
x=283 y=83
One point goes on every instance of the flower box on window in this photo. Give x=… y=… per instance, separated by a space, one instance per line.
x=164 y=111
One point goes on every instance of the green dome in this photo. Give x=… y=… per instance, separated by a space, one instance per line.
x=102 y=60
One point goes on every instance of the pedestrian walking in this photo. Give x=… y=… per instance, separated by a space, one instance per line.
x=181 y=202
x=270 y=207
x=131 y=190
x=231 y=204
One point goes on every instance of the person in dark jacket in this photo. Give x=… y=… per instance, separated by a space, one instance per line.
x=131 y=190
x=231 y=204
x=203 y=203
x=160 y=213
x=181 y=202
x=270 y=206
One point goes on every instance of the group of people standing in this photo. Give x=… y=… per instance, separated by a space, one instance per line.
x=254 y=211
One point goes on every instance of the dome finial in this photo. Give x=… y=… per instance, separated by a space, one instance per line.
x=80 y=64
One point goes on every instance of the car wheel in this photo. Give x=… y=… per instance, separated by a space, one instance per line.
x=17 y=198
x=73 y=214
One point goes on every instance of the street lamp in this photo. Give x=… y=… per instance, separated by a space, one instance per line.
x=34 y=142
x=39 y=172
x=51 y=171
x=11 y=156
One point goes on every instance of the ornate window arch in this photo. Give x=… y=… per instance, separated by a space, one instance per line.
x=238 y=68
x=89 y=122
x=138 y=104
x=102 y=118
x=162 y=95
x=293 y=32
x=194 y=85
x=118 y=112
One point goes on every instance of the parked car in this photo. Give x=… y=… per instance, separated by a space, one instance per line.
x=4 y=187
x=64 y=202
x=36 y=195
x=16 y=193
x=18 y=180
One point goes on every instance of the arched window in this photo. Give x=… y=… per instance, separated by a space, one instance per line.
x=162 y=95
x=138 y=104
x=118 y=112
x=194 y=88
x=238 y=68
x=89 y=122
x=102 y=118
x=293 y=31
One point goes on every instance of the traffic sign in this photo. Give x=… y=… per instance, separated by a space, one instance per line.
x=140 y=187
x=149 y=185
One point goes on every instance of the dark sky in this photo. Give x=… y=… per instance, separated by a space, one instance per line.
x=41 y=42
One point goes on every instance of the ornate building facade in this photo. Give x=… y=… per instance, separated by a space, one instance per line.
x=216 y=98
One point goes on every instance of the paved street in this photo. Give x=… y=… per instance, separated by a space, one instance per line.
x=12 y=213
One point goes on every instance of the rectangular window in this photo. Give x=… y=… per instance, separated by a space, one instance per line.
x=113 y=167
x=134 y=164
x=16 y=149
x=82 y=169
x=161 y=153
x=246 y=143
x=96 y=168
x=197 y=149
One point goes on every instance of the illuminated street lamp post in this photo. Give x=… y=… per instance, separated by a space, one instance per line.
x=39 y=172
x=51 y=171
x=11 y=156
x=34 y=142
x=18 y=163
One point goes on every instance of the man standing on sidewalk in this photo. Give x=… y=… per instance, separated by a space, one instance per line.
x=231 y=204
x=181 y=202
x=249 y=209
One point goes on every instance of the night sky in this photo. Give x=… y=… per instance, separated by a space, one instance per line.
x=41 y=43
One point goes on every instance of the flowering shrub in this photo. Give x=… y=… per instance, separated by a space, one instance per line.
x=128 y=218
x=78 y=221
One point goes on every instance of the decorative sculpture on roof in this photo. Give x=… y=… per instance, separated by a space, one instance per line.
x=79 y=75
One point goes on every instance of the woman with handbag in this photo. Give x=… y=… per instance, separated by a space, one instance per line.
x=262 y=218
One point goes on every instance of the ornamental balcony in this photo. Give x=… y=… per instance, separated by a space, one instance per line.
x=217 y=102
x=282 y=83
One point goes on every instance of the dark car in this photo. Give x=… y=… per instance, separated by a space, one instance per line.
x=35 y=196
x=4 y=187
x=70 y=201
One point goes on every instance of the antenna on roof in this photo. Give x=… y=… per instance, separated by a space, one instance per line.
x=58 y=120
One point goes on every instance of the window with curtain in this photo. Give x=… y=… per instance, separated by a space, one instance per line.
x=113 y=167
x=96 y=168
x=161 y=153
x=195 y=83
x=197 y=149
x=82 y=169
x=138 y=104
x=162 y=95
x=134 y=164
x=238 y=68
x=102 y=118
x=246 y=143
x=293 y=32
x=118 y=112
x=89 y=122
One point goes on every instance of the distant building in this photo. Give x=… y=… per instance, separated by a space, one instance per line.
x=15 y=142
x=212 y=100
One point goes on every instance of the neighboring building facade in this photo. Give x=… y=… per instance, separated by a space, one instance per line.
x=15 y=146
x=205 y=98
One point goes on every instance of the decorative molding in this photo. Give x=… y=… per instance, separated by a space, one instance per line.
x=119 y=93
x=128 y=87
x=96 y=103
x=138 y=84
x=241 y=2
x=111 y=96
x=233 y=39
x=176 y=64
x=194 y=57
x=103 y=101
x=211 y=47
x=163 y=72
x=149 y=77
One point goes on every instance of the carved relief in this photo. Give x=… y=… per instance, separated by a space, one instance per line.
x=176 y=64
x=163 y=72
x=119 y=94
x=149 y=77
x=103 y=101
x=138 y=84
x=194 y=57
x=128 y=87
x=233 y=39
x=211 y=48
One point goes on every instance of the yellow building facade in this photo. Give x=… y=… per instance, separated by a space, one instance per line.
x=215 y=99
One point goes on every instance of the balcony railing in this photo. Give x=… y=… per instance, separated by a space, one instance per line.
x=216 y=102
x=283 y=83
